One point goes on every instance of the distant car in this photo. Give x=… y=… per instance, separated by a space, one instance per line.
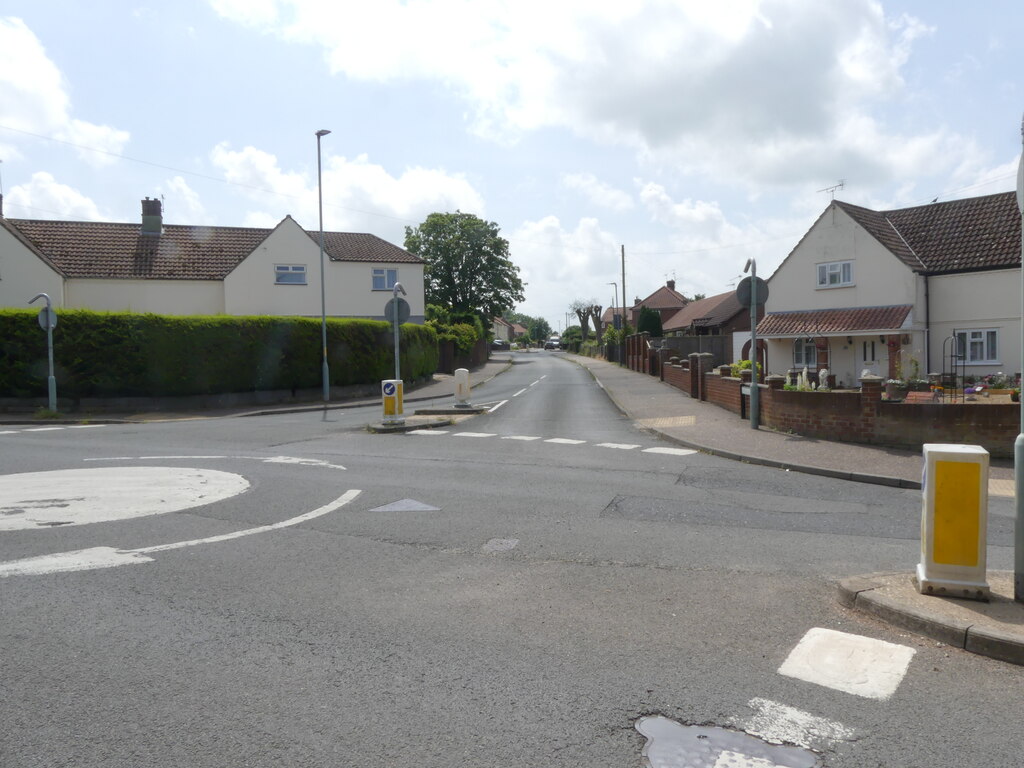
x=499 y=344
x=553 y=343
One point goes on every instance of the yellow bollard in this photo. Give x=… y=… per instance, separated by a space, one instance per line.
x=391 y=390
x=954 y=522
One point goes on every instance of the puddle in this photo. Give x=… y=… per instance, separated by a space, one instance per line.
x=674 y=745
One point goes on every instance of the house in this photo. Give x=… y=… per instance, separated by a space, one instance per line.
x=666 y=301
x=502 y=329
x=901 y=293
x=178 y=269
x=719 y=316
x=611 y=316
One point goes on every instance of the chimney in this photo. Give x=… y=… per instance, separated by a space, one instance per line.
x=671 y=284
x=152 y=217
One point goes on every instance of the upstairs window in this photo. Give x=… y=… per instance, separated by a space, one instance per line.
x=384 y=279
x=290 y=274
x=835 y=274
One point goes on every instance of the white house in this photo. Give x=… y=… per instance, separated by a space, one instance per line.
x=902 y=293
x=176 y=269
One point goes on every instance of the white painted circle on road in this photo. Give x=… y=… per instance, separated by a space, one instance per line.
x=95 y=495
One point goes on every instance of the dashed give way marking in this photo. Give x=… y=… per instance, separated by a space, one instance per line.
x=108 y=557
x=854 y=664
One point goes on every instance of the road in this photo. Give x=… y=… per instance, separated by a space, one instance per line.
x=517 y=590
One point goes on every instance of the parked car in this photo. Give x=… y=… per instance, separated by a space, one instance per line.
x=499 y=344
x=553 y=343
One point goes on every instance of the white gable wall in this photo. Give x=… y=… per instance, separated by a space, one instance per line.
x=23 y=275
x=354 y=280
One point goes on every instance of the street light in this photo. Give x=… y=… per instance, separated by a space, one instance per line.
x=751 y=265
x=615 y=296
x=325 y=373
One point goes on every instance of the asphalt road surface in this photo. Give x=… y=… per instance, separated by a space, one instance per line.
x=520 y=589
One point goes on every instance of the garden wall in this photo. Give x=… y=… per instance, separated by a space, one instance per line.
x=855 y=417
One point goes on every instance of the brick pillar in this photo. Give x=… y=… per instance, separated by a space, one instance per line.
x=694 y=359
x=725 y=371
x=703 y=367
x=870 y=399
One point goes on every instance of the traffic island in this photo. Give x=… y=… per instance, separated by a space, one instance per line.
x=411 y=423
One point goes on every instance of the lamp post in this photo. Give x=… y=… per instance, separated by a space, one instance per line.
x=615 y=295
x=1018 y=446
x=754 y=393
x=325 y=372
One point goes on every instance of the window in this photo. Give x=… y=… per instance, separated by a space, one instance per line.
x=869 y=352
x=980 y=345
x=384 y=279
x=835 y=274
x=804 y=353
x=290 y=274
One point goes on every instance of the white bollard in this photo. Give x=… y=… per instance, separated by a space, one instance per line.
x=391 y=391
x=462 y=388
x=954 y=521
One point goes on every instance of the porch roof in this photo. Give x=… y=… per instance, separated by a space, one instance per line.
x=834 y=322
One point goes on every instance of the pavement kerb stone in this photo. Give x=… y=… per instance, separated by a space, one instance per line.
x=996 y=644
x=859 y=477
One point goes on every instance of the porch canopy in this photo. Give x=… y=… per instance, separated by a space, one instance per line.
x=853 y=321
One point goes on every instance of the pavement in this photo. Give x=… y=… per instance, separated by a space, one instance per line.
x=994 y=628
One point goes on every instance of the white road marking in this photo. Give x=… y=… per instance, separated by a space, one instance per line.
x=43 y=429
x=108 y=557
x=9 y=432
x=294 y=460
x=517 y=394
x=535 y=383
x=93 y=495
x=564 y=441
x=786 y=725
x=674 y=745
x=428 y=432
x=492 y=410
x=670 y=451
x=618 y=446
x=854 y=664
x=86 y=426
x=79 y=560
x=406 y=505
x=265 y=459
x=520 y=437
x=474 y=434
x=500 y=545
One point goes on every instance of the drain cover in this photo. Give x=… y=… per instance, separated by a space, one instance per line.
x=674 y=745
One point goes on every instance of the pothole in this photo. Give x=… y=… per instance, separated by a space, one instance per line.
x=674 y=745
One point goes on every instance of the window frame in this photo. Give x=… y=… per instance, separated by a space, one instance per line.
x=290 y=269
x=385 y=276
x=828 y=269
x=987 y=337
x=806 y=343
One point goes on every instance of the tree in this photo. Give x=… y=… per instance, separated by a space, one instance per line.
x=649 y=321
x=698 y=296
x=467 y=265
x=582 y=311
x=539 y=329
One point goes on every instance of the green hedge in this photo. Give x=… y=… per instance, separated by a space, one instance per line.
x=119 y=354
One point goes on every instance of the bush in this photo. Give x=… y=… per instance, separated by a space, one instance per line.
x=119 y=354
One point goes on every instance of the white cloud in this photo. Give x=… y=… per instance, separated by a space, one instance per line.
x=598 y=192
x=182 y=204
x=33 y=96
x=756 y=91
x=358 y=195
x=44 y=198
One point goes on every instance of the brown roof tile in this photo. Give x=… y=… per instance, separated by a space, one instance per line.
x=712 y=311
x=87 y=249
x=826 y=322
x=955 y=236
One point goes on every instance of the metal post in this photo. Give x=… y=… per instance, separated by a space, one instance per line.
x=615 y=297
x=51 y=380
x=325 y=373
x=394 y=321
x=1018 y=445
x=622 y=340
x=754 y=390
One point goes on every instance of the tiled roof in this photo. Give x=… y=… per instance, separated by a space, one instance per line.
x=712 y=311
x=955 y=236
x=87 y=249
x=663 y=298
x=826 y=322
x=608 y=314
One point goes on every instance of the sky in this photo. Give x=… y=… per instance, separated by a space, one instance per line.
x=692 y=134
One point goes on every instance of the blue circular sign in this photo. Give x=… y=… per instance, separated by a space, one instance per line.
x=389 y=388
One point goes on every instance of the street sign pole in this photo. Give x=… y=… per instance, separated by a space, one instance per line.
x=48 y=320
x=1018 y=445
x=395 y=322
x=755 y=394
